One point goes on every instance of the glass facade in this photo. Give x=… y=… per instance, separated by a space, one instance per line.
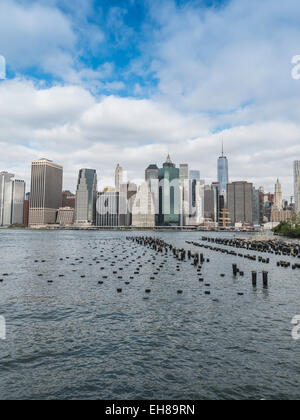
x=223 y=178
x=86 y=195
x=169 y=195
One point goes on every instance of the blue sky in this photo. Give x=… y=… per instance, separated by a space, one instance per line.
x=96 y=83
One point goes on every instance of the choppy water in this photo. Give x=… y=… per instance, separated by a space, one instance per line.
x=74 y=338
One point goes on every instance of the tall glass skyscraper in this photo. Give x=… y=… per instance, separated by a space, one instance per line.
x=223 y=178
x=86 y=196
x=169 y=195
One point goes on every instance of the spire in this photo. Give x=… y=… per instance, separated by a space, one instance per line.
x=222 y=148
x=168 y=159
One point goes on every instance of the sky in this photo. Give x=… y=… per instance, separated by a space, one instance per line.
x=94 y=83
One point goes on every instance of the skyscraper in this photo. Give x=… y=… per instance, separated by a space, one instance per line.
x=297 y=185
x=18 y=200
x=223 y=178
x=6 y=189
x=108 y=209
x=169 y=195
x=86 y=196
x=45 y=192
x=118 y=177
x=240 y=202
x=151 y=177
x=151 y=172
x=278 y=195
x=6 y=198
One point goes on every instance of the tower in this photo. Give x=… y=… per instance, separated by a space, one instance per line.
x=169 y=194
x=45 y=192
x=86 y=196
x=118 y=177
x=223 y=178
x=278 y=195
x=297 y=185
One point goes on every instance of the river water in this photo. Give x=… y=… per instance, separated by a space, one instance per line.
x=72 y=338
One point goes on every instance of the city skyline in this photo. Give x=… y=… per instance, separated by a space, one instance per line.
x=138 y=80
x=102 y=184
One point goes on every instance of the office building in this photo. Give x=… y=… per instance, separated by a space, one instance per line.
x=65 y=216
x=45 y=192
x=118 y=177
x=86 y=196
x=211 y=202
x=107 y=209
x=170 y=201
x=240 y=202
x=278 y=196
x=143 y=208
x=18 y=199
x=12 y=197
x=223 y=177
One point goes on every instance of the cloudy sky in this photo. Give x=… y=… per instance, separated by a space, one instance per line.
x=93 y=83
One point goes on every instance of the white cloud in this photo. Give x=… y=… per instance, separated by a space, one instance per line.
x=68 y=125
x=226 y=70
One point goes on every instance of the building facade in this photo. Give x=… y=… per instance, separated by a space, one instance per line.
x=143 y=208
x=45 y=192
x=107 y=209
x=223 y=176
x=297 y=186
x=278 y=195
x=86 y=196
x=170 y=200
x=12 y=198
x=65 y=216
x=240 y=202
x=118 y=177
x=18 y=200
x=68 y=199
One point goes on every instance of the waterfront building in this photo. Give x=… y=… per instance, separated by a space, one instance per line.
x=169 y=195
x=240 y=202
x=65 y=216
x=143 y=208
x=118 y=177
x=18 y=199
x=278 y=195
x=86 y=196
x=211 y=202
x=152 y=179
x=256 y=207
x=185 y=188
x=297 y=186
x=6 y=191
x=12 y=197
x=107 y=209
x=194 y=178
x=127 y=194
x=45 y=192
